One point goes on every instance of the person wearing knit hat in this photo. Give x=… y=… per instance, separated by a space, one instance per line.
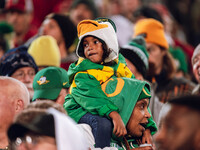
x=98 y=62
x=51 y=83
x=196 y=66
x=153 y=32
x=180 y=61
x=161 y=63
x=63 y=30
x=17 y=63
x=136 y=57
x=45 y=52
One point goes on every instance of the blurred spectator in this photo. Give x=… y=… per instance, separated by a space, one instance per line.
x=14 y=98
x=19 y=14
x=81 y=10
x=52 y=137
x=175 y=34
x=2 y=6
x=146 y=12
x=161 y=64
x=45 y=52
x=195 y=17
x=124 y=20
x=110 y=8
x=136 y=57
x=51 y=83
x=186 y=13
x=64 y=31
x=54 y=6
x=180 y=62
x=6 y=37
x=38 y=14
x=196 y=68
x=17 y=63
x=179 y=125
x=64 y=7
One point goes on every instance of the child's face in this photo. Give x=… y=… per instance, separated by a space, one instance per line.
x=93 y=49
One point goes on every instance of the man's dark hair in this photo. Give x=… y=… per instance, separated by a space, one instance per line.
x=191 y=101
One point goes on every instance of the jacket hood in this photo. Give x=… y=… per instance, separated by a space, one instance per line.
x=104 y=30
x=121 y=92
x=124 y=93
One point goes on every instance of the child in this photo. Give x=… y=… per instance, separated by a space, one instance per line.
x=98 y=62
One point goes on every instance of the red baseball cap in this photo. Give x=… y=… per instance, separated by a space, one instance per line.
x=19 y=5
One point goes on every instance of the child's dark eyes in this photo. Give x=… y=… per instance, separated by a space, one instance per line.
x=85 y=45
x=96 y=41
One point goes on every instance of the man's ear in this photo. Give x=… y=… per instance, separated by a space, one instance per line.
x=19 y=105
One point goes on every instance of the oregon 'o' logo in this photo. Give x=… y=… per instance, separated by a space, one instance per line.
x=119 y=87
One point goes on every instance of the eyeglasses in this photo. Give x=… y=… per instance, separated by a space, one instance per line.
x=21 y=74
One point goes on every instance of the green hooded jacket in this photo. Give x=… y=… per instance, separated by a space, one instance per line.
x=87 y=93
x=86 y=79
x=124 y=93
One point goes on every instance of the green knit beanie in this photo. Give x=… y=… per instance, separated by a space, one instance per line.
x=5 y=28
x=180 y=59
x=137 y=54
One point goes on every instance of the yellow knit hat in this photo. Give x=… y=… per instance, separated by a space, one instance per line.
x=152 y=30
x=45 y=51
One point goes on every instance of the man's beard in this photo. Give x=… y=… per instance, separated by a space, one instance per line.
x=30 y=89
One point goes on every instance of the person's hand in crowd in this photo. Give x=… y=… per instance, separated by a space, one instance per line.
x=119 y=127
x=147 y=138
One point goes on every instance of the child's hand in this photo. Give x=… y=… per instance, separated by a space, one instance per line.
x=119 y=127
x=147 y=138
